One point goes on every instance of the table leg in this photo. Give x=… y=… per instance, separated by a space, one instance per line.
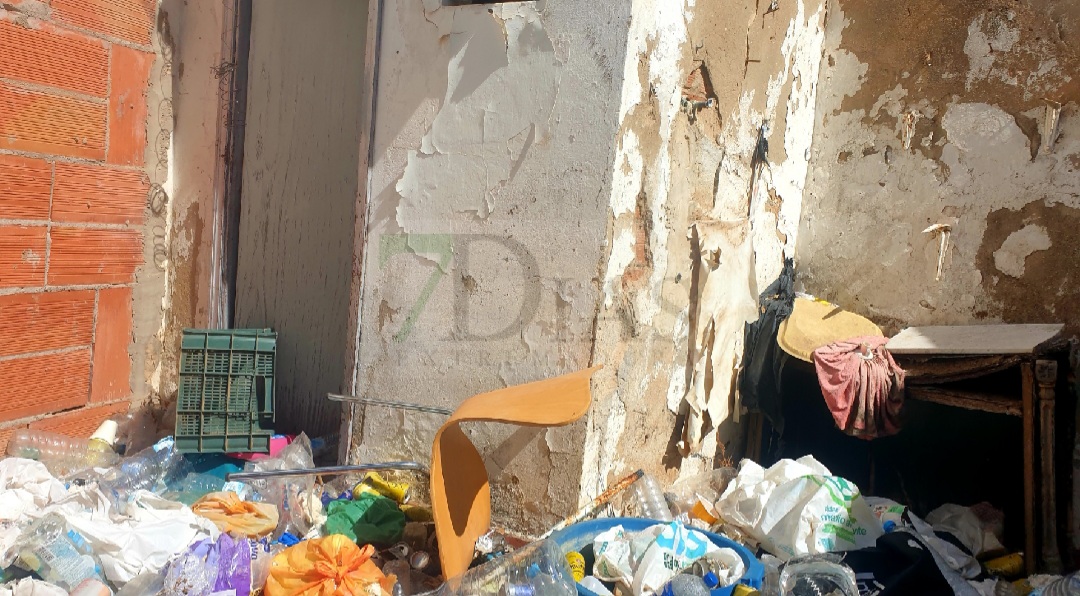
x=1027 y=371
x=1046 y=374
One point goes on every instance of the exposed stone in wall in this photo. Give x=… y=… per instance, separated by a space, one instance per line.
x=933 y=113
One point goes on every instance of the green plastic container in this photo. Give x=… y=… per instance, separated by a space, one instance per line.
x=225 y=403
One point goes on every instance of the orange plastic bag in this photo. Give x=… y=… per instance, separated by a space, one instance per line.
x=235 y=516
x=331 y=566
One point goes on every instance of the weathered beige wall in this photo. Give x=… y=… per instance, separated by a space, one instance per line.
x=302 y=147
x=536 y=188
x=931 y=113
x=494 y=138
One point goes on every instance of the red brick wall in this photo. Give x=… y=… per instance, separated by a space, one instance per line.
x=73 y=83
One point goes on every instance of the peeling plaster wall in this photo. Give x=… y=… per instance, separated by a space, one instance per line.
x=543 y=198
x=922 y=121
x=699 y=224
x=495 y=128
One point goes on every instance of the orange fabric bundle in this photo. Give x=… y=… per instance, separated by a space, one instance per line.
x=330 y=566
x=235 y=516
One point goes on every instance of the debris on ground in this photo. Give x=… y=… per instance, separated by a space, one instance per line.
x=83 y=517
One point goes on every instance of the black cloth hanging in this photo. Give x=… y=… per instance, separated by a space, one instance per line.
x=763 y=360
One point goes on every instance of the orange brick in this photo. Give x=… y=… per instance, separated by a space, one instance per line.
x=130 y=76
x=22 y=256
x=47 y=321
x=80 y=423
x=112 y=365
x=43 y=384
x=43 y=123
x=24 y=188
x=47 y=55
x=130 y=20
x=99 y=195
x=79 y=256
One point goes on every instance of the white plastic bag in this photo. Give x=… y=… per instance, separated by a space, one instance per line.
x=675 y=548
x=798 y=508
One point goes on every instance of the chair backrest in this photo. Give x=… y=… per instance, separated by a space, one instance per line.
x=460 y=492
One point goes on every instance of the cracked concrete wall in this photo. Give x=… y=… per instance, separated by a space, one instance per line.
x=938 y=114
x=494 y=136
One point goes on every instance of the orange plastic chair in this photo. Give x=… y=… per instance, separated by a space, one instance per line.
x=460 y=493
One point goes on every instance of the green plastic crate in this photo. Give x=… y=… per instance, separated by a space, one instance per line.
x=225 y=403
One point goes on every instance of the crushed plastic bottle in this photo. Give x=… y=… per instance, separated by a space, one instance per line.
x=61 y=454
x=57 y=553
x=650 y=499
x=1066 y=586
x=149 y=469
x=538 y=569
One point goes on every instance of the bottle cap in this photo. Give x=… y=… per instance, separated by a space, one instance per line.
x=711 y=580
x=889 y=525
x=106 y=433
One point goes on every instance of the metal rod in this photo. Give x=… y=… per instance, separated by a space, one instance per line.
x=331 y=470
x=599 y=502
x=390 y=404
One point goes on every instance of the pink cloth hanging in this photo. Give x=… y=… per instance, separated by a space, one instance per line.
x=862 y=385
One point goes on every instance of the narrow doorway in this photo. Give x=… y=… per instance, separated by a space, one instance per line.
x=302 y=139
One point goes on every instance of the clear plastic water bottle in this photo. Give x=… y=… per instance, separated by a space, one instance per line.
x=1066 y=586
x=58 y=554
x=650 y=499
x=148 y=469
x=685 y=584
x=550 y=580
x=61 y=454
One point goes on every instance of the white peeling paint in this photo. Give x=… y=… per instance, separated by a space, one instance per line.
x=622 y=254
x=626 y=179
x=1010 y=259
x=985 y=41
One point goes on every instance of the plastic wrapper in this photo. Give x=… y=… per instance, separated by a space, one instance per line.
x=325 y=566
x=230 y=514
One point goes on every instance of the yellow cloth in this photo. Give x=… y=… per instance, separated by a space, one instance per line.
x=330 y=566
x=230 y=514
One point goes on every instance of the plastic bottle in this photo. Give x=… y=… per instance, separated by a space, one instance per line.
x=56 y=553
x=1066 y=586
x=810 y=576
x=61 y=454
x=651 y=499
x=194 y=487
x=685 y=584
x=148 y=469
x=548 y=579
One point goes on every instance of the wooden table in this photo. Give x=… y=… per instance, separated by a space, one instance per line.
x=936 y=355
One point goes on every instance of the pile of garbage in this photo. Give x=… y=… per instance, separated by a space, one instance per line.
x=77 y=517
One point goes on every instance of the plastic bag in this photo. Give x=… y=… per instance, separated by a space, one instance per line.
x=965 y=524
x=327 y=566
x=798 y=508
x=295 y=513
x=370 y=518
x=209 y=567
x=675 y=548
x=230 y=514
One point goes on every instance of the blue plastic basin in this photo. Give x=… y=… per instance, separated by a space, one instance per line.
x=577 y=536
